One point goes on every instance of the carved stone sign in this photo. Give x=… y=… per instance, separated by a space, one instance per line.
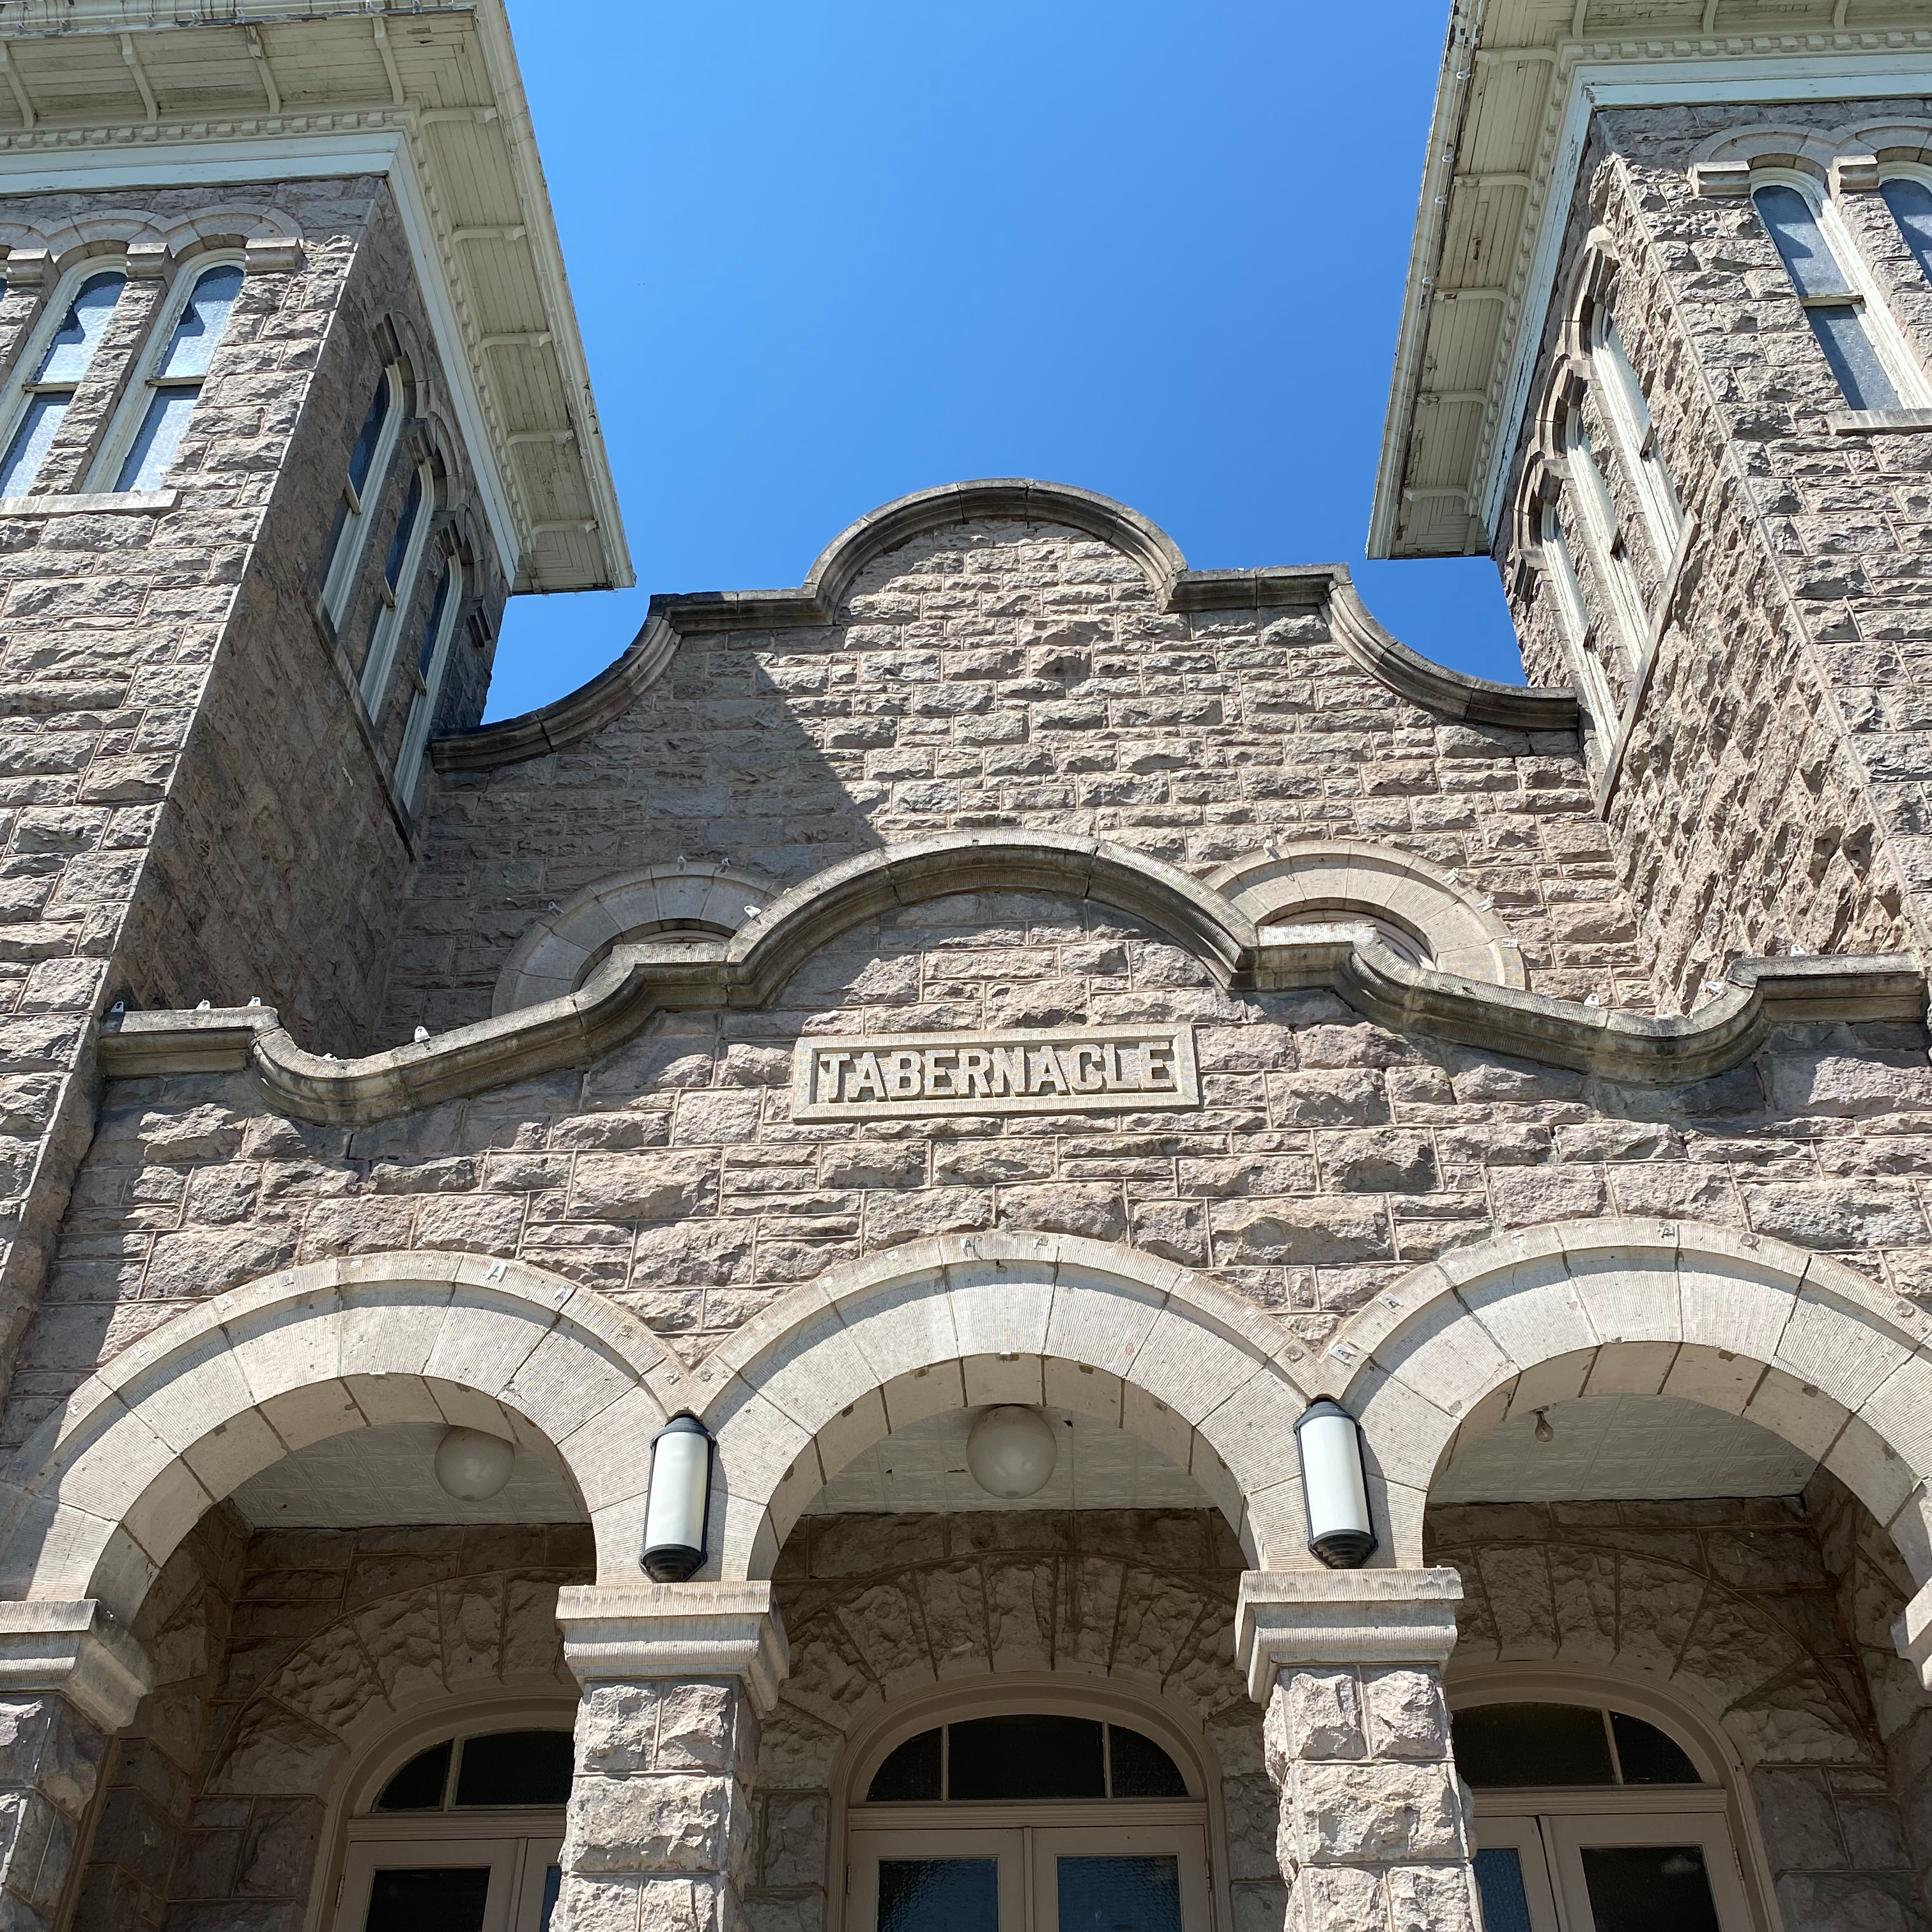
x=1071 y=1070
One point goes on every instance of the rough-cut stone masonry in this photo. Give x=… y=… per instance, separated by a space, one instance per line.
x=880 y=1607
x=187 y=805
x=1769 y=1615
x=1329 y=1156
x=1772 y=791
x=337 y=1636
x=1024 y=677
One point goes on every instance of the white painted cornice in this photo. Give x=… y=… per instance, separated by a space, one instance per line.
x=1448 y=437
x=104 y=94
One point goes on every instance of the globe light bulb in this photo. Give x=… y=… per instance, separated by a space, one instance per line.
x=473 y=1466
x=1012 y=1453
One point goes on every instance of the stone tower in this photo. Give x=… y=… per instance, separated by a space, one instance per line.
x=293 y=399
x=1667 y=356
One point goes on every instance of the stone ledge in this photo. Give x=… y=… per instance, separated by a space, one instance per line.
x=1879 y=422
x=817 y=601
x=77 y=1651
x=629 y=1631
x=94 y=503
x=1284 y=1618
x=637 y=982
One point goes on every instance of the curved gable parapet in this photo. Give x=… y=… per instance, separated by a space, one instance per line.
x=637 y=982
x=818 y=602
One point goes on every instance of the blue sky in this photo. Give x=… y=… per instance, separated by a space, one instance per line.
x=825 y=254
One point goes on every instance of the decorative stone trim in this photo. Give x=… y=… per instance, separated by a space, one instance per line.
x=638 y=982
x=101 y=1492
x=77 y=1650
x=1879 y=422
x=628 y=1632
x=1104 y=1330
x=550 y=960
x=1287 y=1619
x=1464 y=939
x=817 y=601
x=93 y=503
x=1790 y=1340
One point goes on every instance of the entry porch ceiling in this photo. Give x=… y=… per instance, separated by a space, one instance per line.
x=153 y=90
x=1519 y=81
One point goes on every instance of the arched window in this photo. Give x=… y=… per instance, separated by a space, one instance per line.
x=158 y=406
x=1627 y=412
x=1833 y=306
x=60 y=364
x=1587 y=1812
x=1001 y=1818
x=394 y=593
x=464 y=1835
x=1909 y=199
x=1608 y=554
x=1560 y=571
x=368 y=463
x=432 y=658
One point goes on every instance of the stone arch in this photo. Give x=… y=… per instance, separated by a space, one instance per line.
x=1792 y=1340
x=678 y=900
x=1091 y=1326
x=101 y=1494
x=1350 y=878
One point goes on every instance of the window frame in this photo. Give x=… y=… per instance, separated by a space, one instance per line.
x=343 y=563
x=140 y=387
x=1913 y=171
x=421 y=714
x=1726 y=1793
x=1626 y=411
x=393 y=600
x=1602 y=532
x=1889 y=344
x=22 y=388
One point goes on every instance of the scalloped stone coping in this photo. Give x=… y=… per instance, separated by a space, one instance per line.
x=637 y=982
x=1450 y=693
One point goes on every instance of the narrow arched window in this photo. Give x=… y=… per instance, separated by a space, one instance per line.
x=367 y=463
x=1627 y=410
x=172 y=386
x=1835 y=310
x=432 y=657
x=1910 y=201
x=393 y=593
x=62 y=367
x=1560 y=569
x=1609 y=555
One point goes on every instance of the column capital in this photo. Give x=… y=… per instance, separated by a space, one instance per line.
x=77 y=1651
x=1287 y=1618
x=633 y=1631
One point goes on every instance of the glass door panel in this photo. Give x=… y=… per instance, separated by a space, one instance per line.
x=438 y=1885
x=537 y=1889
x=938 y=1881
x=1151 y=1878
x=1673 y=1873
x=1512 y=1876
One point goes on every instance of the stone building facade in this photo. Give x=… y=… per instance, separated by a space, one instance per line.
x=1010 y=983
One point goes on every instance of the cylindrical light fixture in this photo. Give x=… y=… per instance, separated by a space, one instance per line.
x=1333 y=1489
x=472 y=1464
x=679 y=1495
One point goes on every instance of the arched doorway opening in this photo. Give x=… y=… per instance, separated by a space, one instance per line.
x=1602 y=1805
x=1003 y=1807
x=456 y=1824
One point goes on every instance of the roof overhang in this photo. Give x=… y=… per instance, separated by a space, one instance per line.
x=105 y=93
x=1519 y=81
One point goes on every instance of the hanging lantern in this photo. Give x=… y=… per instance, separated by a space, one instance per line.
x=679 y=1496
x=1334 y=1489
